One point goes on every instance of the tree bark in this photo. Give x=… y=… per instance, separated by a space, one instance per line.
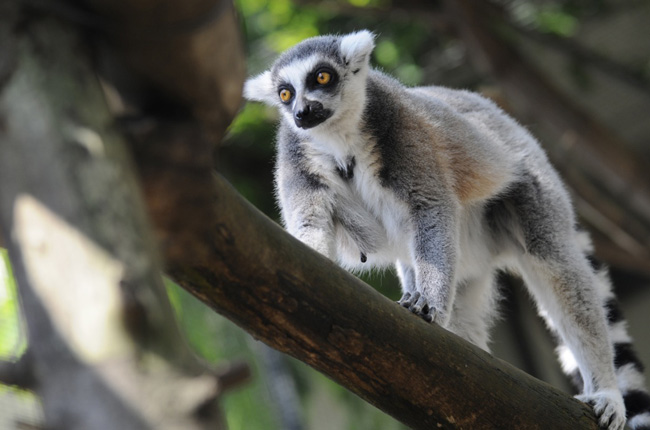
x=179 y=69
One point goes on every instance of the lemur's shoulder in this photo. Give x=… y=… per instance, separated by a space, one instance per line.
x=442 y=131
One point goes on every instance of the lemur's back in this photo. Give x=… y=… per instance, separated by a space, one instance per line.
x=505 y=135
x=464 y=136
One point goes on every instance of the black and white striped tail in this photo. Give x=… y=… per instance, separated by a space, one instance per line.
x=628 y=367
x=629 y=370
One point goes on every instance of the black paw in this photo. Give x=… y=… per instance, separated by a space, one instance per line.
x=418 y=304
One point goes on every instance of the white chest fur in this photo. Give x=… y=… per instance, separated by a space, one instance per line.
x=374 y=221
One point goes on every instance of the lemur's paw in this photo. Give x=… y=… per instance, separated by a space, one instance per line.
x=608 y=406
x=420 y=306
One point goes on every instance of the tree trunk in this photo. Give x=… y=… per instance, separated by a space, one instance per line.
x=104 y=349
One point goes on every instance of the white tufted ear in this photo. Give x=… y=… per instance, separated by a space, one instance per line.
x=260 y=89
x=356 y=47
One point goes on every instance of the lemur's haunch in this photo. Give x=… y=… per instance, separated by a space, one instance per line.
x=445 y=186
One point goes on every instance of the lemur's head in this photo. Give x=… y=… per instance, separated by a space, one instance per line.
x=318 y=79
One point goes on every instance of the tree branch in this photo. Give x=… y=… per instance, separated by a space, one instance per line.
x=301 y=303
x=577 y=52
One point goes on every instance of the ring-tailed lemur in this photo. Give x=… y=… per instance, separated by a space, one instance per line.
x=448 y=188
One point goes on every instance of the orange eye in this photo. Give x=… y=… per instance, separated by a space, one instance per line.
x=285 y=95
x=323 y=78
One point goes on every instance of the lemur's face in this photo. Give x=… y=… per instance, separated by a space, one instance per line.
x=309 y=90
x=316 y=79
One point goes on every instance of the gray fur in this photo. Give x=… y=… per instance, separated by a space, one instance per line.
x=449 y=189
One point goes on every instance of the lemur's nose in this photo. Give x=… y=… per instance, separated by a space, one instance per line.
x=303 y=113
x=309 y=113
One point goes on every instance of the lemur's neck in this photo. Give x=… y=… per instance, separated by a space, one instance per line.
x=341 y=135
x=369 y=110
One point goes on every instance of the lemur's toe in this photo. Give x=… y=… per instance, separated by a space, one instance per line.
x=405 y=300
x=427 y=314
x=418 y=304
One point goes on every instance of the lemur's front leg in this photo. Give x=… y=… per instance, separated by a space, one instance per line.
x=307 y=209
x=434 y=252
x=314 y=227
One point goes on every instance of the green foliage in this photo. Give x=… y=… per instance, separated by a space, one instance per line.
x=278 y=22
x=12 y=341
x=387 y=53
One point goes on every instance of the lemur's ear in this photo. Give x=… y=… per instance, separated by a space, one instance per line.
x=356 y=47
x=260 y=88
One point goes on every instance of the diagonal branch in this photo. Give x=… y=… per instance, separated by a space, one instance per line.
x=567 y=46
x=300 y=303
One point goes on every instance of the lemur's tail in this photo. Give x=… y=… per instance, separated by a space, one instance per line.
x=628 y=367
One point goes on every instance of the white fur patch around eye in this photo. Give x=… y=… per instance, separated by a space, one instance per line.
x=295 y=73
x=262 y=88
x=356 y=47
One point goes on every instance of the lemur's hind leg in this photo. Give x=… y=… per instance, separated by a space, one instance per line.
x=560 y=278
x=564 y=287
x=475 y=309
x=627 y=366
